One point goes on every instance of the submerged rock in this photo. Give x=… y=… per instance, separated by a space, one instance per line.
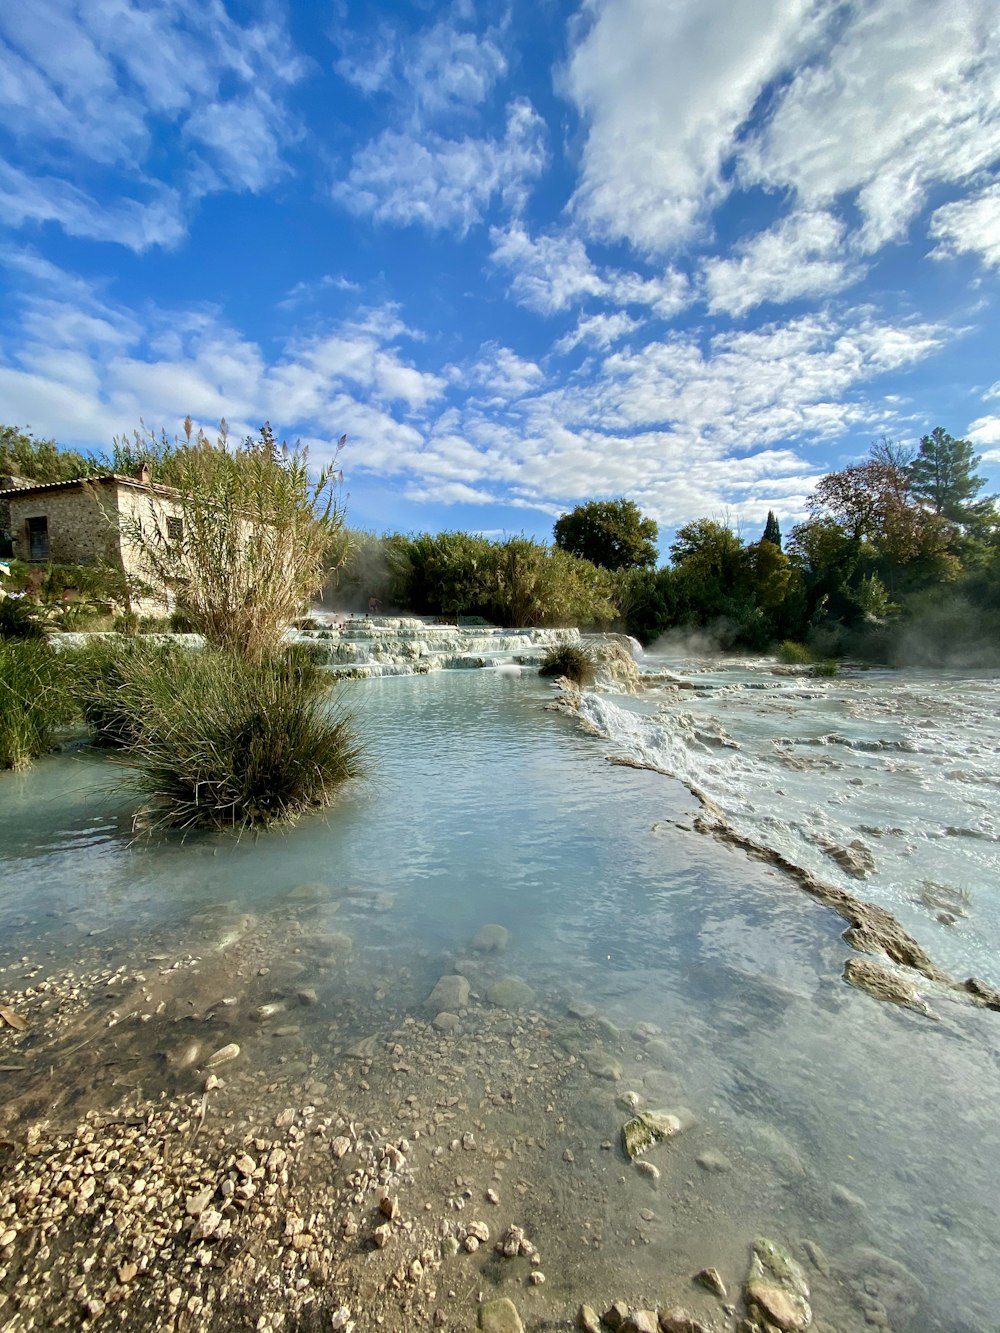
x=510 y=993
x=450 y=994
x=884 y=984
x=490 y=939
x=776 y=1289
x=500 y=1316
x=602 y=1065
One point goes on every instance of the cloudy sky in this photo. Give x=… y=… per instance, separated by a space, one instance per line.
x=524 y=254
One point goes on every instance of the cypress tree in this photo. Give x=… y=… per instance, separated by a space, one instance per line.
x=772 y=533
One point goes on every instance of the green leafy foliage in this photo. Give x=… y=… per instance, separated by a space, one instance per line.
x=610 y=533
x=18 y=619
x=257 y=536
x=942 y=477
x=21 y=455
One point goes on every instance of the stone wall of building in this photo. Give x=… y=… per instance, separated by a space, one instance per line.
x=82 y=523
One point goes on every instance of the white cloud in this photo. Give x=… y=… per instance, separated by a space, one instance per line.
x=685 y=427
x=440 y=70
x=599 y=330
x=550 y=272
x=553 y=272
x=804 y=255
x=663 y=90
x=505 y=373
x=442 y=183
x=985 y=430
x=123 y=77
x=448 y=69
x=135 y=224
x=906 y=96
x=969 y=226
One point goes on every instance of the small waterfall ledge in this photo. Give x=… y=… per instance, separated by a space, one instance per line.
x=411 y=645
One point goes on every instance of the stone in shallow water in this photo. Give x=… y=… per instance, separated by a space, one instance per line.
x=450 y=993
x=776 y=1288
x=510 y=993
x=713 y=1160
x=490 y=939
x=602 y=1065
x=651 y=1127
x=446 y=1022
x=500 y=1316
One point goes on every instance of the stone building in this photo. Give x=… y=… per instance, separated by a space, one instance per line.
x=88 y=521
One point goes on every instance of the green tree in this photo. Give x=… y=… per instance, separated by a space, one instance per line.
x=942 y=477
x=21 y=455
x=772 y=532
x=609 y=533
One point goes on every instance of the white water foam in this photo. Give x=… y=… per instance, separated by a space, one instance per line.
x=885 y=783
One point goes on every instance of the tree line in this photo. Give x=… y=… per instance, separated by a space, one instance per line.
x=899 y=556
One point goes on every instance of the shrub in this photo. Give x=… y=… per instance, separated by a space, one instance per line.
x=571 y=661
x=794 y=654
x=257 y=536
x=34 y=700
x=228 y=743
x=829 y=667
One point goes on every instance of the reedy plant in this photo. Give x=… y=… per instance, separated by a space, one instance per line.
x=258 y=536
x=34 y=700
x=226 y=742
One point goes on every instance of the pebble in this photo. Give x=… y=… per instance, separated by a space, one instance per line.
x=223 y=1055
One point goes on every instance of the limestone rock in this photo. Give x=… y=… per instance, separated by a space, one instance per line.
x=714 y=1161
x=711 y=1279
x=641 y=1321
x=614 y=1316
x=587 y=1320
x=490 y=939
x=884 y=984
x=500 y=1316
x=603 y=1066
x=647 y=1128
x=446 y=1022
x=510 y=993
x=776 y=1288
x=677 y=1320
x=450 y=994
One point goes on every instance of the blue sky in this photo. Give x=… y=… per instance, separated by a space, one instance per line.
x=696 y=252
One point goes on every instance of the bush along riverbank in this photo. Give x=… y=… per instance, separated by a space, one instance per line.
x=209 y=737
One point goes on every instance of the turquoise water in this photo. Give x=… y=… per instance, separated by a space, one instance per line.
x=480 y=806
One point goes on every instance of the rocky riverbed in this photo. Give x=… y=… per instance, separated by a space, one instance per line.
x=252 y=1125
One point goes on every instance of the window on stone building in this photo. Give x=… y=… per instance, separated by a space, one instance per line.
x=38 y=538
x=175 y=529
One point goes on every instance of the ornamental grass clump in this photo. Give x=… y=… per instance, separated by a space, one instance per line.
x=113 y=677
x=35 y=700
x=229 y=743
x=572 y=662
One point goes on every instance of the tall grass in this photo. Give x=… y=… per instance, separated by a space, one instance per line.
x=112 y=679
x=227 y=743
x=34 y=700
